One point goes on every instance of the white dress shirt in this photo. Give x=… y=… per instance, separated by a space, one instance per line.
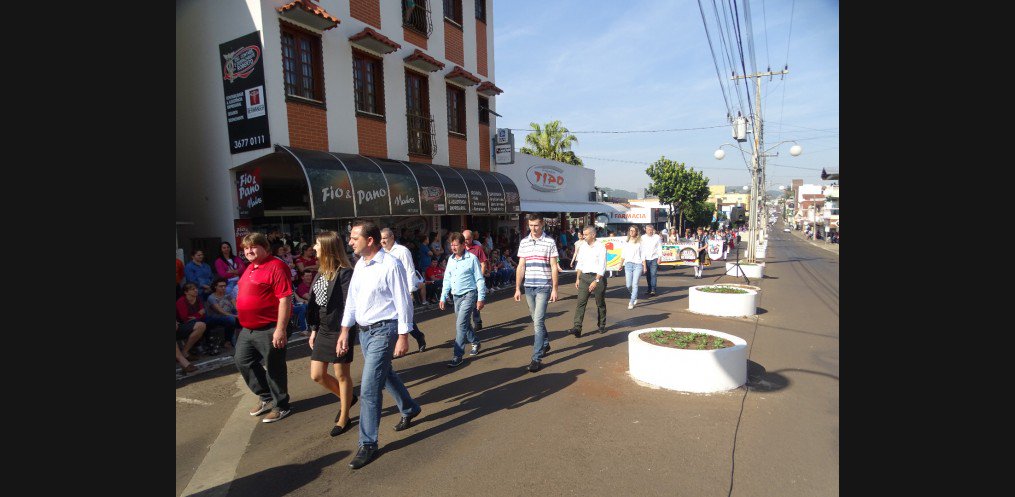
x=652 y=246
x=377 y=292
x=632 y=252
x=591 y=259
x=402 y=254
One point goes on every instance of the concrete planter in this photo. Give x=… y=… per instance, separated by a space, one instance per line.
x=698 y=371
x=749 y=270
x=723 y=304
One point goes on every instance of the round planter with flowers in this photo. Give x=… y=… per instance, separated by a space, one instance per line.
x=688 y=359
x=723 y=300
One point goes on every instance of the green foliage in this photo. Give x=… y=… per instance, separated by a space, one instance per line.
x=552 y=141
x=721 y=289
x=678 y=186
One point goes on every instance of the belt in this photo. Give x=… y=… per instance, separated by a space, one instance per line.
x=376 y=325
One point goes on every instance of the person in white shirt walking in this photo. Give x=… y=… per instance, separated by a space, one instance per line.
x=591 y=280
x=633 y=260
x=378 y=301
x=537 y=267
x=652 y=248
x=463 y=278
x=402 y=254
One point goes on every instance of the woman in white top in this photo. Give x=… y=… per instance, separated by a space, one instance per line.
x=633 y=260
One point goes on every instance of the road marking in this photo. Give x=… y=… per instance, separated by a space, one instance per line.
x=218 y=469
x=192 y=401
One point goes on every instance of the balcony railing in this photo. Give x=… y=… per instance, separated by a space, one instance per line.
x=416 y=16
x=421 y=134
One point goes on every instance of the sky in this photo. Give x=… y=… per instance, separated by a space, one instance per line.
x=646 y=65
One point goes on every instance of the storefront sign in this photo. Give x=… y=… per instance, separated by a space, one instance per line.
x=478 y=202
x=545 y=178
x=637 y=215
x=248 y=186
x=245 y=99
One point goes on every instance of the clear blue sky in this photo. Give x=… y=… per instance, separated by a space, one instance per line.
x=646 y=65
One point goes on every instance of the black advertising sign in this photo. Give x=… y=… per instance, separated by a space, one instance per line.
x=512 y=201
x=431 y=190
x=496 y=192
x=402 y=188
x=454 y=188
x=248 y=185
x=330 y=189
x=369 y=188
x=243 y=81
x=477 y=192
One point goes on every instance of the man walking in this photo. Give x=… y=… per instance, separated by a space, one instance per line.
x=378 y=301
x=591 y=274
x=263 y=306
x=652 y=247
x=537 y=267
x=401 y=253
x=476 y=249
x=463 y=278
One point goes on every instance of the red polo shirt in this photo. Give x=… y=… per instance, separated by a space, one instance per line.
x=260 y=288
x=477 y=250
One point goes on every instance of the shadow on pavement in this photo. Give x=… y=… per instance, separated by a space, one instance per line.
x=759 y=380
x=479 y=395
x=280 y=480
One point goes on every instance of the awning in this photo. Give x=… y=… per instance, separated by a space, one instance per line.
x=544 y=206
x=348 y=185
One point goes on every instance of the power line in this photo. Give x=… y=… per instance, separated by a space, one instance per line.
x=650 y=163
x=632 y=131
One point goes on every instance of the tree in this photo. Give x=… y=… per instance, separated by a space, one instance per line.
x=677 y=186
x=552 y=141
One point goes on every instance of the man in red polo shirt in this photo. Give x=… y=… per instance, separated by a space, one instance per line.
x=263 y=306
x=476 y=249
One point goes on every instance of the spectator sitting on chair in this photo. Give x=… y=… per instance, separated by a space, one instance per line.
x=190 y=312
x=308 y=260
x=184 y=363
x=301 y=297
x=198 y=273
x=229 y=266
x=179 y=278
x=221 y=311
x=435 y=278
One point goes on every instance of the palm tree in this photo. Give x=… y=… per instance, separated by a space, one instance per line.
x=552 y=141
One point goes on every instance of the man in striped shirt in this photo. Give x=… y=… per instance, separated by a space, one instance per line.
x=537 y=267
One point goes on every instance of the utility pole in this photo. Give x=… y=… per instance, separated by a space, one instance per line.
x=757 y=169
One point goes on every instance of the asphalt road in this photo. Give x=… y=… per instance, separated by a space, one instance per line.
x=580 y=426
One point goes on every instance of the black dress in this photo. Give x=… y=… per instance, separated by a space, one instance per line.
x=327 y=319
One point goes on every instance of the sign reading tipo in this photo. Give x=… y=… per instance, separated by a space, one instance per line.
x=545 y=178
x=246 y=102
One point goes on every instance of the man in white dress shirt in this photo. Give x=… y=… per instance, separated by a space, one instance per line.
x=652 y=247
x=591 y=280
x=378 y=301
x=402 y=254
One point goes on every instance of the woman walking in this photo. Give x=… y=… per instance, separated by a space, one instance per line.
x=325 y=306
x=633 y=261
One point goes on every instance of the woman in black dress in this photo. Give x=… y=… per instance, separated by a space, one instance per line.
x=325 y=306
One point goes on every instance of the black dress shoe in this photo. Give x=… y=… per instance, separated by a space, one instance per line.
x=576 y=332
x=337 y=430
x=602 y=330
x=422 y=344
x=478 y=326
x=365 y=454
x=406 y=421
x=533 y=367
x=546 y=348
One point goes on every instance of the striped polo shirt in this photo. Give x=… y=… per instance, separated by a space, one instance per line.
x=537 y=253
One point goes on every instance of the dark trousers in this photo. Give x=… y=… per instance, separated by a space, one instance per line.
x=418 y=335
x=251 y=347
x=583 y=298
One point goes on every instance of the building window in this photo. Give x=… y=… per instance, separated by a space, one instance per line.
x=420 y=123
x=484 y=106
x=453 y=11
x=481 y=10
x=416 y=16
x=368 y=83
x=301 y=63
x=456 y=110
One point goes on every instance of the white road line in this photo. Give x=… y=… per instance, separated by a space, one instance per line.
x=185 y=400
x=218 y=469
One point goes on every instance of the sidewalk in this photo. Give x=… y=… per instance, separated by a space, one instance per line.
x=831 y=247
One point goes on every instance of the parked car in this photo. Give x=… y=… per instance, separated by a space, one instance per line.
x=786 y=230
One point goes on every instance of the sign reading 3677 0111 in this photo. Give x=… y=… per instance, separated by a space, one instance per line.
x=243 y=80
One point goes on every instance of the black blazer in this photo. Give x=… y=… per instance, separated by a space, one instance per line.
x=330 y=318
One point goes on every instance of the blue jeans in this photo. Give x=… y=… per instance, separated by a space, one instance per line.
x=378 y=346
x=300 y=311
x=632 y=273
x=537 y=298
x=650 y=275
x=465 y=305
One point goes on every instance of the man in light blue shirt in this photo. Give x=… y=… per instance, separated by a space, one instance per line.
x=463 y=278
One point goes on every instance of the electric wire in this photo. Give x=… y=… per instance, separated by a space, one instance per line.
x=632 y=131
x=711 y=51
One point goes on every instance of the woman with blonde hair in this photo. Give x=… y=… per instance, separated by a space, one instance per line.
x=633 y=261
x=325 y=306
